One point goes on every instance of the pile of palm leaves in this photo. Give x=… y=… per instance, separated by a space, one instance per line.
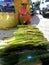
x=25 y=37
x=27 y=34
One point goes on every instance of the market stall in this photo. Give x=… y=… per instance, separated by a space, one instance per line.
x=26 y=45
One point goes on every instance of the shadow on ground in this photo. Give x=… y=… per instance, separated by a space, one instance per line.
x=35 y=20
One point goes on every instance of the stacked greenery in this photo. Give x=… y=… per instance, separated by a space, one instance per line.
x=27 y=34
x=25 y=37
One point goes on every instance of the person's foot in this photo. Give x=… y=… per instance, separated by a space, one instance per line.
x=25 y=23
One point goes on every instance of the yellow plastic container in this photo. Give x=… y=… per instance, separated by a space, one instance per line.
x=7 y=20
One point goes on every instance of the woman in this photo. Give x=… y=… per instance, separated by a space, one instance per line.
x=24 y=14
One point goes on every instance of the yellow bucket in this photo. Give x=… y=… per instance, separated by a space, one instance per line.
x=7 y=20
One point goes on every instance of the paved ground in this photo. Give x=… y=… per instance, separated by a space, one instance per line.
x=42 y=23
x=6 y=33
